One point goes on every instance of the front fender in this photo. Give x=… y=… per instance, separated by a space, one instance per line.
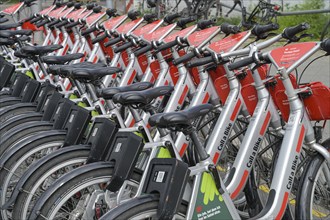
x=36 y=166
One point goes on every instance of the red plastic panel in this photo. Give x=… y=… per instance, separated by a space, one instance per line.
x=221 y=85
x=95 y=17
x=13 y=9
x=286 y=56
x=250 y=96
x=146 y=29
x=63 y=13
x=155 y=70
x=159 y=33
x=196 y=38
x=75 y=13
x=318 y=104
x=143 y=62
x=227 y=43
x=46 y=10
x=56 y=11
x=113 y=22
x=83 y=15
x=280 y=99
x=182 y=33
x=124 y=28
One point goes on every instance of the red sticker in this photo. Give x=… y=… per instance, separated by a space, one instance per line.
x=227 y=43
x=182 y=33
x=94 y=18
x=124 y=28
x=47 y=10
x=75 y=13
x=288 y=55
x=199 y=37
x=113 y=22
x=159 y=33
x=13 y=9
x=56 y=11
x=146 y=29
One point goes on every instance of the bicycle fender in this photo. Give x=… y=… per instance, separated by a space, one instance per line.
x=10 y=152
x=17 y=106
x=34 y=116
x=28 y=125
x=76 y=172
x=20 y=184
x=128 y=205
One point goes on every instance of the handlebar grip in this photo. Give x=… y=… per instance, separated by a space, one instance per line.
x=53 y=23
x=111 y=12
x=70 y=4
x=166 y=46
x=70 y=25
x=89 y=30
x=290 y=32
x=123 y=47
x=62 y=23
x=29 y=18
x=97 y=9
x=205 y=23
x=36 y=19
x=241 y=63
x=229 y=28
x=77 y=5
x=112 y=41
x=200 y=62
x=169 y=18
x=325 y=45
x=42 y=23
x=149 y=17
x=133 y=14
x=143 y=50
x=90 y=6
x=183 y=21
x=184 y=58
x=99 y=38
x=259 y=30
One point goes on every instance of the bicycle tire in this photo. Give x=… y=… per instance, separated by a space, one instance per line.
x=6 y=114
x=62 y=191
x=34 y=184
x=310 y=190
x=139 y=206
x=14 y=163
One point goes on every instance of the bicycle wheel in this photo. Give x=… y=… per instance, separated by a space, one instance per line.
x=144 y=207
x=313 y=199
x=21 y=156
x=48 y=170
x=82 y=195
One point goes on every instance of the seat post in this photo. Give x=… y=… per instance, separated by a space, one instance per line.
x=198 y=145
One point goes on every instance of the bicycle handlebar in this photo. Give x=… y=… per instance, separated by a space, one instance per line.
x=166 y=46
x=111 y=12
x=123 y=47
x=229 y=29
x=205 y=23
x=290 y=32
x=241 y=63
x=260 y=30
x=143 y=50
x=99 y=38
x=72 y=24
x=325 y=45
x=169 y=18
x=149 y=17
x=184 y=58
x=89 y=30
x=183 y=21
x=113 y=41
x=133 y=14
x=200 y=62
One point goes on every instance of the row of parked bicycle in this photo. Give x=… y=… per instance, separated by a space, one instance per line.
x=135 y=117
